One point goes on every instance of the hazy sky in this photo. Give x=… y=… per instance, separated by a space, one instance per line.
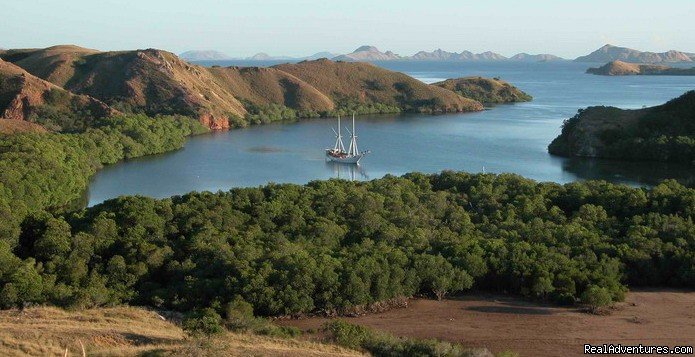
x=302 y=27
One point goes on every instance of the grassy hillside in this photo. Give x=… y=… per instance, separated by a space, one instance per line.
x=55 y=64
x=129 y=331
x=154 y=82
x=662 y=133
x=367 y=83
x=27 y=97
x=262 y=86
x=158 y=82
x=485 y=90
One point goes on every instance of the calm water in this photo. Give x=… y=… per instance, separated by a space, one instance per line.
x=506 y=138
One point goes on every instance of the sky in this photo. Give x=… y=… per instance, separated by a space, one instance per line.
x=303 y=27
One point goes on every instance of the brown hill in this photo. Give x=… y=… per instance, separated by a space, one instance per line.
x=150 y=81
x=368 y=83
x=620 y=68
x=22 y=96
x=485 y=90
x=158 y=82
x=55 y=64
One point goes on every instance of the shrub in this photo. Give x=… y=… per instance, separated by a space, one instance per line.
x=240 y=318
x=596 y=297
x=384 y=344
x=239 y=311
x=205 y=322
x=349 y=335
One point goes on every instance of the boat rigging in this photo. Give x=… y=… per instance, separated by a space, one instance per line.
x=338 y=152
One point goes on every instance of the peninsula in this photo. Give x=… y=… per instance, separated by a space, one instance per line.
x=661 y=133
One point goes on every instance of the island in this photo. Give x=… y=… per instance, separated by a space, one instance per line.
x=609 y=53
x=485 y=90
x=661 y=133
x=620 y=68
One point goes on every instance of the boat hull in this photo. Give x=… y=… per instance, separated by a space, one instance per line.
x=344 y=159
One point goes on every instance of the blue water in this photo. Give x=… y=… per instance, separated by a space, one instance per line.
x=505 y=138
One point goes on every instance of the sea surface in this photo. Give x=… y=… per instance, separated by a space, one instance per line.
x=505 y=138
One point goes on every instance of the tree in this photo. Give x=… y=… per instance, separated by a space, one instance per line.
x=439 y=276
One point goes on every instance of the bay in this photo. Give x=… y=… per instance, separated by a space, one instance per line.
x=509 y=138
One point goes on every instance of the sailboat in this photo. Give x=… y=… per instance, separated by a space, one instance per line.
x=338 y=153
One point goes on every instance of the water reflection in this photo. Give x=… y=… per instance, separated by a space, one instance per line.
x=640 y=173
x=347 y=171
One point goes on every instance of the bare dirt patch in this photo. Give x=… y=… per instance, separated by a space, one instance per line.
x=502 y=323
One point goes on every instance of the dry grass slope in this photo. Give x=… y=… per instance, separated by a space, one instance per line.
x=23 y=94
x=262 y=86
x=486 y=90
x=371 y=84
x=153 y=81
x=128 y=331
x=55 y=64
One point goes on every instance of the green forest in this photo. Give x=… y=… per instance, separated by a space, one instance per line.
x=50 y=170
x=331 y=245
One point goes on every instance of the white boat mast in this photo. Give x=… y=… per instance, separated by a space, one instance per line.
x=353 y=151
x=338 y=152
x=339 y=139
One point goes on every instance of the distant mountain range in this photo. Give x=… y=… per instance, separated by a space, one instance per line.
x=371 y=53
x=206 y=55
x=609 y=53
x=210 y=55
